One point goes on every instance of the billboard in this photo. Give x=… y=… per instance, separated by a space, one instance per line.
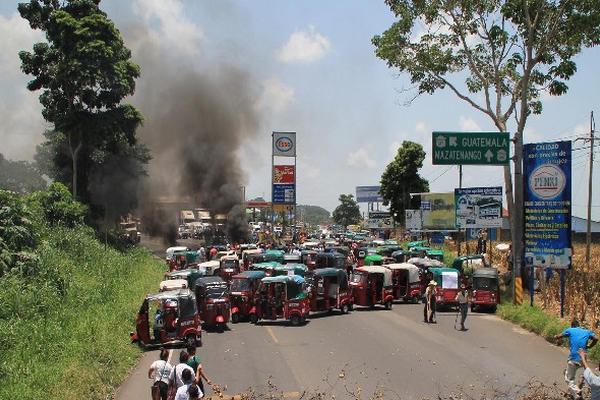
x=284 y=144
x=284 y=194
x=478 y=207
x=413 y=220
x=438 y=211
x=380 y=220
x=284 y=174
x=368 y=194
x=547 y=204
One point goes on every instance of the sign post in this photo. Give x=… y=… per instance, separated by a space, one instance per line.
x=283 y=177
x=470 y=148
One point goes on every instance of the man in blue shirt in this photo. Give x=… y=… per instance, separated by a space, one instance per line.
x=578 y=340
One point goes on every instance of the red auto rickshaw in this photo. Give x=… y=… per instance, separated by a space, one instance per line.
x=212 y=297
x=229 y=266
x=448 y=282
x=309 y=258
x=242 y=293
x=176 y=322
x=372 y=285
x=406 y=282
x=281 y=297
x=486 y=289
x=329 y=289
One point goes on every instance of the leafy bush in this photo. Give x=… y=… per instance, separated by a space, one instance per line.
x=60 y=208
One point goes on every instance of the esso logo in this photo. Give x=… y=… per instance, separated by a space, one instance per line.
x=284 y=144
x=547 y=181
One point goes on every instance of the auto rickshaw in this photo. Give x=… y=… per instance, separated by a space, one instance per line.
x=486 y=289
x=242 y=293
x=229 y=266
x=373 y=259
x=448 y=281
x=400 y=256
x=406 y=282
x=209 y=268
x=466 y=264
x=173 y=284
x=274 y=255
x=309 y=258
x=183 y=259
x=372 y=285
x=247 y=257
x=360 y=254
x=177 y=321
x=212 y=297
x=331 y=260
x=436 y=254
x=189 y=274
x=329 y=289
x=281 y=297
x=338 y=249
x=418 y=251
x=292 y=259
x=267 y=267
x=290 y=269
x=172 y=250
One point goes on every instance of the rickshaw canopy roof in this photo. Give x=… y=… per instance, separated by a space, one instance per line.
x=183 y=273
x=416 y=243
x=398 y=253
x=297 y=279
x=485 y=273
x=378 y=269
x=426 y=262
x=413 y=270
x=436 y=252
x=251 y=275
x=266 y=264
x=373 y=258
x=330 y=272
x=209 y=280
x=171 y=284
x=293 y=266
x=209 y=264
x=331 y=254
x=275 y=252
x=439 y=271
x=170 y=294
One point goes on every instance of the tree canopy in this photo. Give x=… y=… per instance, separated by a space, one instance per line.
x=348 y=212
x=401 y=178
x=84 y=72
x=20 y=176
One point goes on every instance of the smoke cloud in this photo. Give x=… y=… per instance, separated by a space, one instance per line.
x=197 y=118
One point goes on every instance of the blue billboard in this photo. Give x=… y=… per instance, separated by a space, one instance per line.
x=547 y=204
x=368 y=194
x=284 y=193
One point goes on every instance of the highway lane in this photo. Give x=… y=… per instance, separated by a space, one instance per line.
x=392 y=351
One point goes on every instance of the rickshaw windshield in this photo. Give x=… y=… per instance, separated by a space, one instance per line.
x=230 y=264
x=216 y=292
x=240 y=285
x=484 y=283
x=358 y=277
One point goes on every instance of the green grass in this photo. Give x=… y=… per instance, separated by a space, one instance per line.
x=538 y=321
x=71 y=341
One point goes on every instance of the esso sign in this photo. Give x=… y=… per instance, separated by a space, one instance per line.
x=284 y=144
x=547 y=181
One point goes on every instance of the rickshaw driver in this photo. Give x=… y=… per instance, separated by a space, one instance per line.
x=159 y=324
x=170 y=315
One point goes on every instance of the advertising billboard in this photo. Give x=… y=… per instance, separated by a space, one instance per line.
x=368 y=194
x=479 y=207
x=438 y=211
x=284 y=194
x=547 y=204
x=413 y=220
x=284 y=144
x=284 y=174
x=380 y=220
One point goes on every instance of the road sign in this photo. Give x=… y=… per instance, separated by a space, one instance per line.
x=284 y=194
x=380 y=219
x=284 y=144
x=368 y=194
x=479 y=207
x=547 y=204
x=470 y=148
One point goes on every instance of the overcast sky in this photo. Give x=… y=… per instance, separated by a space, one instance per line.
x=316 y=73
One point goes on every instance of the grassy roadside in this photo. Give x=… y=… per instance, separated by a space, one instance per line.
x=75 y=344
x=538 y=321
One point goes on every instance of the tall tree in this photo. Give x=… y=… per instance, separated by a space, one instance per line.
x=499 y=56
x=84 y=71
x=401 y=178
x=20 y=176
x=348 y=212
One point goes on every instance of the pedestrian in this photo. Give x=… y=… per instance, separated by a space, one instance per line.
x=592 y=380
x=160 y=370
x=196 y=364
x=175 y=378
x=213 y=253
x=188 y=380
x=479 y=242
x=194 y=392
x=430 y=303
x=463 y=306
x=579 y=339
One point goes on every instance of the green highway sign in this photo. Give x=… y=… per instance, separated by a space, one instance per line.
x=470 y=148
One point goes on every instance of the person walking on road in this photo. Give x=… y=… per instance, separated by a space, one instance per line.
x=592 y=380
x=463 y=306
x=430 y=304
x=196 y=364
x=175 y=378
x=579 y=339
x=160 y=370
x=183 y=393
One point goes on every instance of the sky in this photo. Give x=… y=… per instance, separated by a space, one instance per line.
x=315 y=73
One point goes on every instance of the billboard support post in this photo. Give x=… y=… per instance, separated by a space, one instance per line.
x=460 y=176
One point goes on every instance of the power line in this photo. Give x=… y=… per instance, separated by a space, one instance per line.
x=442 y=174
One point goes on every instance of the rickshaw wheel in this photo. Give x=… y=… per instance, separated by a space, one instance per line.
x=295 y=320
x=388 y=305
x=344 y=308
x=235 y=318
x=351 y=307
x=253 y=318
x=190 y=341
x=494 y=308
x=472 y=307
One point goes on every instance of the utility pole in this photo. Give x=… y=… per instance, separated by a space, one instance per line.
x=588 y=238
x=517 y=229
x=460 y=187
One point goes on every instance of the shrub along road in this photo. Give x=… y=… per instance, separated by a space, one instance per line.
x=390 y=350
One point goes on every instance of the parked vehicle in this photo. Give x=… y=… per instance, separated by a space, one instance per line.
x=247 y=257
x=469 y=263
x=171 y=250
x=290 y=269
x=400 y=256
x=173 y=284
x=448 y=280
x=331 y=260
x=372 y=285
x=373 y=259
x=486 y=289
x=209 y=268
x=329 y=289
x=212 y=297
x=309 y=258
x=178 y=316
x=189 y=274
x=281 y=297
x=183 y=259
x=267 y=267
x=292 y=259
x=406 y=282
x=229 y=266
x=242 y=294
x=274 y=255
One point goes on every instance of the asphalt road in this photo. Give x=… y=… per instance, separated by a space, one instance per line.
x=369 y=350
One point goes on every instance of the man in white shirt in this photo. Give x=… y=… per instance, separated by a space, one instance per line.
x=189 y=391
x=175 y=379
x=463 y=306
x=590 y=377
x=159 y=371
